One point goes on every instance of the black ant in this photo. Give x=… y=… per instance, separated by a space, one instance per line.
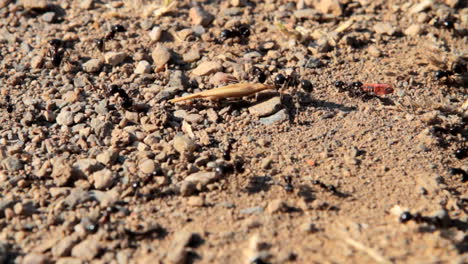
x=127 y=101
x=8 y=104
x=288 y=187
x=458 y=67
x=242 y=31
x=259 y=74
x=57 y=51
x=100 y=43
x=447 y=23
x=330 y=188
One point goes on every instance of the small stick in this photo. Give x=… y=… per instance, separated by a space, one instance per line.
x=229 y=91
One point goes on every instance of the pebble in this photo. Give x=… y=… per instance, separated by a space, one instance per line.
x=147 y=166
x=202 y=178
x=413 y=30
x=37 y=61
x=161 y=56
x=64 y=246
x=384 y=28
x=307 y=13
x=280 y=116
x=107 y=157
x=65 y=118
x=266 y=108
x=196 y=201
x=86 y=250
x=85 y=167
x=199 y=16
x=193 y=118
x=183 y=144
x=35 y=258
x=48 y=17
x=417 y=8
x=252 y=210
x=35 y=4
x=191 y=56
x=329 y=7
x=93 y=65
x=155 y=34
x=374 y=51
x=12 y=164
x=143 y=67
x=86 y=4
x=266 y=163
x=277 y=206
x=177 y=80
x=103 y=179
x=4 y=3
x=207 y=67
x=105 y=199
x=69 y=260
x=115 y=58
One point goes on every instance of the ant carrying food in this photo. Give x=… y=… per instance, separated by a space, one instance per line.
x=100 y=43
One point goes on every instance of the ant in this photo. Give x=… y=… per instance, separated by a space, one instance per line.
x=127 y=101
x=8 y=104
x=458 y=67
x=331 y=188
x=100 y=43
x=364 y=90
x=241 y=31
x=292 y=81
x=288 y=187
x=57 y=51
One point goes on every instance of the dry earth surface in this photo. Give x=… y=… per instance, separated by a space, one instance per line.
x=97 y=166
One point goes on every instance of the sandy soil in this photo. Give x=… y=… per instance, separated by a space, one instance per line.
x=97 y=166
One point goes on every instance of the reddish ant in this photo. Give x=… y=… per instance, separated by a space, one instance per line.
x=364 y=90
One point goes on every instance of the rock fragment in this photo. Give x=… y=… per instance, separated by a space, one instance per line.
x=35 y=4
x=65 y=118
x=329 y=7
x=374 y=51
x=155 y=34
x=147 y=166
x=384 y=28
x=92 y=66
x=183 y=144
x=115 y=58
x=12 y=164
x=191 y=56
x=202 y=178
x=413 y=30
x=199 y=16
x=103 y=179
x=280 y=116
x=143 y=67
x=266 y=108
x=207 y=67
x=64 y=246
x=161 y=56
x=86 y=250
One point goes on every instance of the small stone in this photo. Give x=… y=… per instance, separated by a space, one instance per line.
x=65 y=118
x=308 y=13
x=266 y=163
x=413 y=30
x=61 y=172
x=147 y=166
x=115 y=58
x=69 y=260
x=329 y=7
x=34 y=4
x=103 y=179
x=276 y=206
x=202 y=178
x=155 y=34
x=92 y=66
x=83 y=168
x=37 y=61
x=193 y=118
x=221 y=78
x=48 y=17
x=191 y=56
x=266 y=108
x=86 y=250
x=198 y=16
x=3 y=3
x=280 y=116
x=238 y=3
x=417 y=8
x=196 y=201
x=12 y=164
x=161 y=56
x=252 y=210
x=108 y=157
x=374 y=51
x=177 y=80
x=121 y=138
x=86 y=4
x=35 y=258
x=207 y=67
x=143 y=67
x=384 y=28
x=64 y=246
x=183 y=144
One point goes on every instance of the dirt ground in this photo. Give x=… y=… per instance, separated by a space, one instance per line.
x=97 y=166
